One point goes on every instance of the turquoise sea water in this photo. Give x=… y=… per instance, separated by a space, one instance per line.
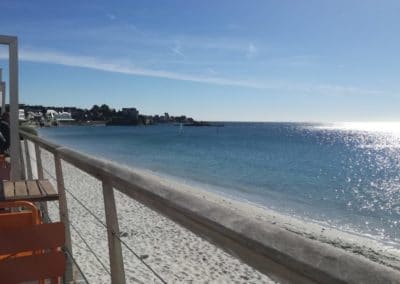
x=346 y=175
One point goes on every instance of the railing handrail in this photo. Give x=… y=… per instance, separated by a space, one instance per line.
x=268 y=248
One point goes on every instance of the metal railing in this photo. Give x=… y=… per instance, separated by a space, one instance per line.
x=280 y=254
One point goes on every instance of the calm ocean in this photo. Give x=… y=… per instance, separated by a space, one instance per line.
x=345 y=175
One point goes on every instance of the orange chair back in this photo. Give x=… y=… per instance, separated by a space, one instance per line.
x=29 y=250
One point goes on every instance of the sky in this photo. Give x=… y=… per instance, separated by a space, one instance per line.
x=212 y=60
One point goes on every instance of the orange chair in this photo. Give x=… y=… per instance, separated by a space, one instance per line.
x=29 y=250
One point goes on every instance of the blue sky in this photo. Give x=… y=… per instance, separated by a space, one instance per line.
x=213 y=60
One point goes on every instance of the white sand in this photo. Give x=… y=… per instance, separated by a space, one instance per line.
x=174 y=252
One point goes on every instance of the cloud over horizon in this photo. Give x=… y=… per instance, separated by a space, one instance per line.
x=116 y=66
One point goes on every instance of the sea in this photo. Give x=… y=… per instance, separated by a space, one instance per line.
x=343 y=175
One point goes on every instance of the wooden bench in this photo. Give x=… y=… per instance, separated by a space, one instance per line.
x=30 y=190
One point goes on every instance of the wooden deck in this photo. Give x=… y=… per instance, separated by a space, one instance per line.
x=29 y=190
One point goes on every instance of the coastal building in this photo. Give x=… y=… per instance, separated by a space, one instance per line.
x=59 y=117
x=50 y=114
x=131 y=113
x=21 y=115
x=34 y=116
x=64 y=117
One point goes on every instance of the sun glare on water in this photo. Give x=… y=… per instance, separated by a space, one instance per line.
x=392 y=127
x=377 y=135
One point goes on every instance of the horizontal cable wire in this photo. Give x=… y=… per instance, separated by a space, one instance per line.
x=90 y=249
x=88 y=246
x=80 y=202
x=70 y=254
x=105 y=226
x=80 y=235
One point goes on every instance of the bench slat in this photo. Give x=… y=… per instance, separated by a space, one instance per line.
x=47 y=187
x=20 y=188
x=33 y=188
x=9 y=191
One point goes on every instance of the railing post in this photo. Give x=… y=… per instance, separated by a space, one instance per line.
x=39 y=169
x=28 y=159
x=22 y=162
x=114 y=244
x=39 y=166
x=68 y=277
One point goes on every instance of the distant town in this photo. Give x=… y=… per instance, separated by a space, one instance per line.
x=54 y=116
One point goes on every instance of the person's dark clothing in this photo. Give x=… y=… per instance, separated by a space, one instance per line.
x=4 y=136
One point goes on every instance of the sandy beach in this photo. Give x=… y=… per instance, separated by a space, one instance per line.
x=172 y=251
x=175 y=253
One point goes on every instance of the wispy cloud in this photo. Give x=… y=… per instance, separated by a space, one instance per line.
x=211 y=71
x=177 y=49
x=251 y=50
x=111 y=17
x=116 y=66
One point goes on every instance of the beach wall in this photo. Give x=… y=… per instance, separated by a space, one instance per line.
x=282 y=255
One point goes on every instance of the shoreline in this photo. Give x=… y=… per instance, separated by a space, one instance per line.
x=173 y=251
x=306 y=203
x=224 y=192
x=355 y=242
x=363 y=245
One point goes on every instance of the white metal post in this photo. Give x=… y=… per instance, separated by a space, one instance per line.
x=68 y=277
x=12 y=43
x=39 y=169
x=23 y=169
x=14 y=106
x=39 y=166
x=114 y=244
x=28 y=160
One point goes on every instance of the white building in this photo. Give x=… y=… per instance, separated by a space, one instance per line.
x=64 y=116
x=59 y=116
x=21 y=115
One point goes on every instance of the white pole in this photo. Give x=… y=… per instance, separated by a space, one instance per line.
x=28 y=160
x=23 y=172
x=39 y=175
x=68 y=276
x=12 y=42
x=14 y=106
x=114 y=244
